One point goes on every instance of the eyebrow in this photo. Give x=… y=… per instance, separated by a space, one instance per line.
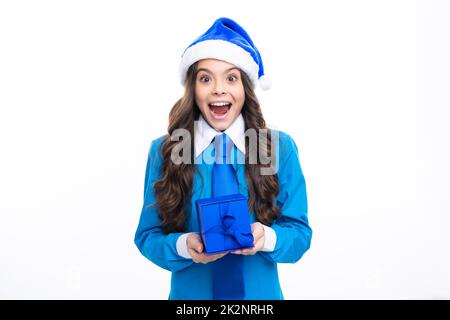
x=209 y=71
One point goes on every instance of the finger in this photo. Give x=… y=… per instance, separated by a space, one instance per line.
x=196 y=249
x=194 y=255
x=194 y=242
x=197 y=246
x=248 y=252
x=219 y=255
x=205 y=258
x=211 y=258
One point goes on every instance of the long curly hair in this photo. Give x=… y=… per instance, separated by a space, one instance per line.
x=173 y=189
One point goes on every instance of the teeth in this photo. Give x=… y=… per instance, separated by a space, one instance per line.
x=219 y=104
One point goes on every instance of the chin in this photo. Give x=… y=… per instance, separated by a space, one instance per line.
x=219 y=125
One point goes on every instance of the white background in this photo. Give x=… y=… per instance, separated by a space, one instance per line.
x=362 y=86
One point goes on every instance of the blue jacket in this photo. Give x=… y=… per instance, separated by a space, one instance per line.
x=192 y=280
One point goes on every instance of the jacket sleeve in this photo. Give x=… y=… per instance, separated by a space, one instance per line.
x=291 y=227
x=156 y=246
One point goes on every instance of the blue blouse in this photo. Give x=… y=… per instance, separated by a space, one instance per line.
x=192 y=280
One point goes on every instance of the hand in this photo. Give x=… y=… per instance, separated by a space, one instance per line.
x=259 y=238
x=195 y=249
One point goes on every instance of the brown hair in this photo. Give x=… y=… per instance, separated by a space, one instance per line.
x=174 y=186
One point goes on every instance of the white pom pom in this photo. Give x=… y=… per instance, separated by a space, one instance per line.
x=264 y=82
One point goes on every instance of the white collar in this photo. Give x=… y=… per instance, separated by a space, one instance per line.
x=204 y=134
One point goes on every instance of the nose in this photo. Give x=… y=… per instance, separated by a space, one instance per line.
x=219 y=88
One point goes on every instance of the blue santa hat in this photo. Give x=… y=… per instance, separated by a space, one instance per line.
x=227 y=41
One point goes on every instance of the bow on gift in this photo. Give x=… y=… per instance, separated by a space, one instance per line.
x=230 y=228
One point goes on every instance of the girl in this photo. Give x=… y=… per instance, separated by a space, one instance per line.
x=220 y=71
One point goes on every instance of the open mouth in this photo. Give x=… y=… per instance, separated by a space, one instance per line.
x=219 y=110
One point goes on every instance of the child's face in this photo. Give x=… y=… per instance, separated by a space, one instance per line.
x=219 y=92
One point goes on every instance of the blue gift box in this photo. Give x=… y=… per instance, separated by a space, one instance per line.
x=224 y=223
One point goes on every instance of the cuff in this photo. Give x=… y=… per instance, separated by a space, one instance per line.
x=182 y=246
x=270 y=239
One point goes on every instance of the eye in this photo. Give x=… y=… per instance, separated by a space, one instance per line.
x=204 y=79
x=232 y=77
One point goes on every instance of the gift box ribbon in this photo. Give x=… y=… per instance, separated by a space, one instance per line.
x=229 y=227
